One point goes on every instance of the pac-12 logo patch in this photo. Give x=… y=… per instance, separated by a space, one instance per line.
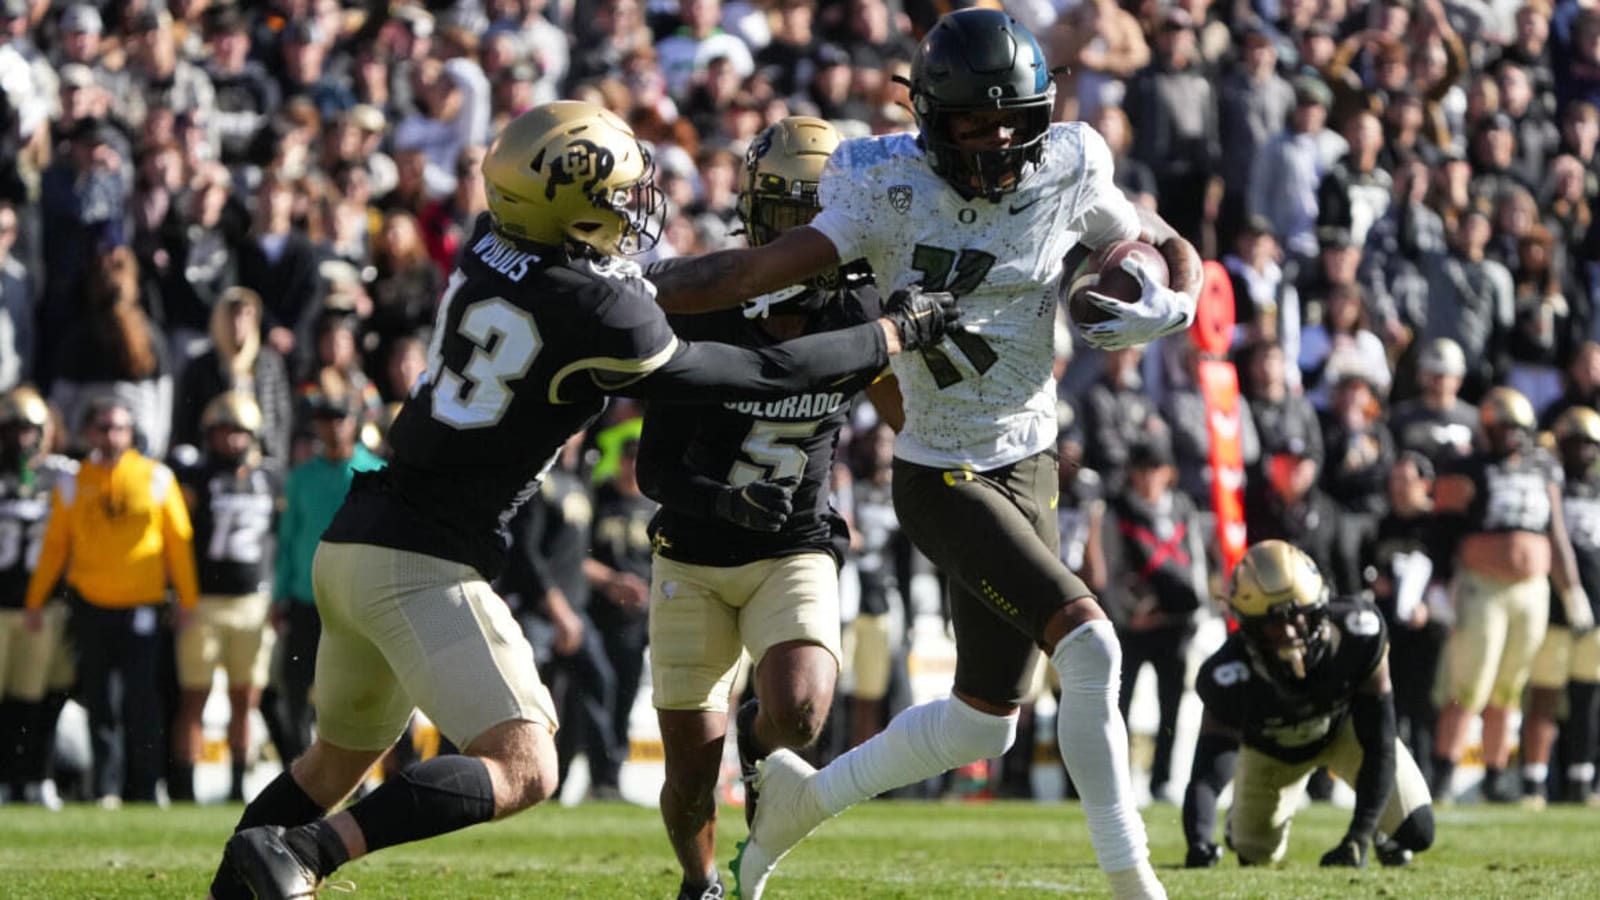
x=900 y=198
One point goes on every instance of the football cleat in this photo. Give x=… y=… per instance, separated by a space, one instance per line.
x=712 y=891
x=791 y=811
x=1392 y=855
x=268 y=867
x=749 y=755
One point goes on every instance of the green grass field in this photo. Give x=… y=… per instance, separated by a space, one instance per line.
x=883 y=849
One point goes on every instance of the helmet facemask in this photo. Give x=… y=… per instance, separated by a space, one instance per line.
x=640 y=206
x=1287 y=642
x=987 y=173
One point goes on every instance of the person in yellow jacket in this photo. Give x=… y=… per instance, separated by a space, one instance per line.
x=119 y=534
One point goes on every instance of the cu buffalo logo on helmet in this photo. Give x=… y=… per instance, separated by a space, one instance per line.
x=900 y=198
x=583 y=161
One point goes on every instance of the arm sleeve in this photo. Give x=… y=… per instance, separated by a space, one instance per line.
x=177 y=543
x=52 y=554
x=663 y=475
x=1214 y=758
x=1373 y=717
x=708 y=372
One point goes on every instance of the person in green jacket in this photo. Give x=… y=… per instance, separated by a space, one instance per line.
x=311 y=496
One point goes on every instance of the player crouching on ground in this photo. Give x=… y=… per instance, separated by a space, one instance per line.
x=747 y=548
x=1303 y=683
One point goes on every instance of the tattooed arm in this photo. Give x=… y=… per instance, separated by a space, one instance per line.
x=727 y=278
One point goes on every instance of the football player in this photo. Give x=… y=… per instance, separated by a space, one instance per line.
x=30 y=657
x=1505 y=503
x=231 y=498
x=1303 y=683
x=540 y=321
x=747 y=547
x=1569 y=659
x=985 y=202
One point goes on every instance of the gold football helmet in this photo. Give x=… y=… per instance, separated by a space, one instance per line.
x=572 y=172
x=1281 y=601
x=1505 y=407
x=1578 y=423
x=232 y=410
x=22 y=405
x=778 y=190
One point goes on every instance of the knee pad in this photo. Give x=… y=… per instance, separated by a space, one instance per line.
x=1416 y=832
x=1089 y=660
x=973 y=735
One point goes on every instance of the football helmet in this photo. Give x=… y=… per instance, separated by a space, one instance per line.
x=976 y=60
x=1281 y=601
x=570 y=173
x=22 y=405
x=1507 y=419
x=1577 y=434
x=232 y=410
x=778 y=191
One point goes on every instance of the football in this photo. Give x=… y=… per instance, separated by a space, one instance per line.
x=1102 y=272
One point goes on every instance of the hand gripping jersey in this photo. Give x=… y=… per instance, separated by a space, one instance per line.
x=24 y=513
x=233 y=517
x=985 y=396
x=521 y=344
x=1295 y=725
x=737 y=442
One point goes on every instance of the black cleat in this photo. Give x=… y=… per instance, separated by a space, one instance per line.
x=1391 y=854
x=268 y=867
x=712 y=891
x=744 y=722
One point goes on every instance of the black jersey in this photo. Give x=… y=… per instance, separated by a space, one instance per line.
x=1440 y=435
x=232 y=512
x=24 y=512
x=736 y=443
x=527 y=343
x=1295 y=725
x=1580 y=508
x=1510 y=494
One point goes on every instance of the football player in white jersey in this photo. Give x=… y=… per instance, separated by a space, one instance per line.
x=987 y=203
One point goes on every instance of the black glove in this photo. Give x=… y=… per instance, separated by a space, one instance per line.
x=922 y=317
x=1203 y=855
x=1350 y=853
x=759 y=505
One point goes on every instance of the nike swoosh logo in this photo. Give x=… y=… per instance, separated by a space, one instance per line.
x=1016 y=208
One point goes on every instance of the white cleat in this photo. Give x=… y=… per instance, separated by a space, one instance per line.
x=789 y=811
x=1137 y=883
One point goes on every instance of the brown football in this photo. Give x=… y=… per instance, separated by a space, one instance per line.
x=1102 y=272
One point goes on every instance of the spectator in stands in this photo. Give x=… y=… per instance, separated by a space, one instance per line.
x=1135 y=178
x=1117 y=413
x=1288 y=505
x=278 y=262
x=17 y=306
x=119 y=535
x=116 y=349
x=1356 y=192
x=161 y=78
x=1279 y=411
x=1437 y=423
x=246 y=95
x=1173 y=108
x=688 y=51
x=1582 y=383
x=1288 y=170
x=1254 y=103
x=1470 y=300
x=1342 y=345
x=1101 y=45
x=235 y=361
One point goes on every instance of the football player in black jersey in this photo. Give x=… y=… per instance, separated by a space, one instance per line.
x=1303 y=683
x=35 y=666
x=540 y=321
x=1569 y=659
x=231 y=498
x=748 y=548
x=1505 y=503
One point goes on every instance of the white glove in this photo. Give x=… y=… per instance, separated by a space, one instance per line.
x=1580 y=617
x=1160 y=311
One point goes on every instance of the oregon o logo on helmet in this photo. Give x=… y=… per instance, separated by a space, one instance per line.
x=996 y=92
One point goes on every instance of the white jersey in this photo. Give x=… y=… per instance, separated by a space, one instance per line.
x=986 y=397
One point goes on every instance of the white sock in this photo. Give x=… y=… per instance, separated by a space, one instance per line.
x=1536 y=772
x=921 y=742
x=1094 y=743
x=1581 y=772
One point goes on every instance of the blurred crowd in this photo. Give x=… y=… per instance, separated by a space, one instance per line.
x=264 y=200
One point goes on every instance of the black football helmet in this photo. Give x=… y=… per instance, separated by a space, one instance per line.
x=975 y=60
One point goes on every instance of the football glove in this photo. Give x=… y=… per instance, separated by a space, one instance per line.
x=1203 y=855
x=922 y=317
x=1350 y=853
x=1160 y=311
x=759 y=505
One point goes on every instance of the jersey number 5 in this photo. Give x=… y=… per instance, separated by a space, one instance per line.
x=945 y=270
x=770 y=447
x=504 y=342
